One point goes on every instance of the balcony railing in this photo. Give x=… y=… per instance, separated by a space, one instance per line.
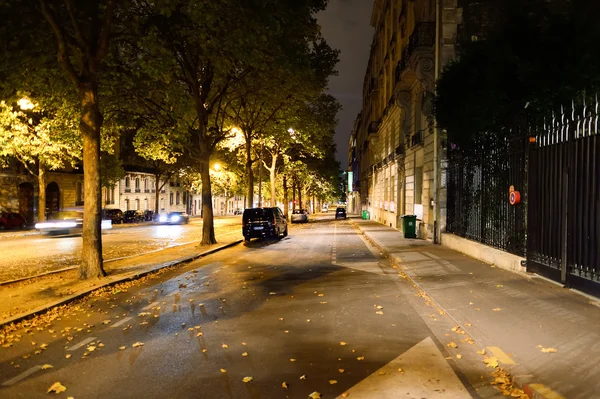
x=422 y=36
x=417 y=138
x=399 y=150
x=373 y=126
x=127 y=190
x=137 y=190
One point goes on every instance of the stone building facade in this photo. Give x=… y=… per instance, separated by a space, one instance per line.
x=396 y=155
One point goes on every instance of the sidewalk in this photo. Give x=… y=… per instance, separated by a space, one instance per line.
x=24 y=299
x=544 y=335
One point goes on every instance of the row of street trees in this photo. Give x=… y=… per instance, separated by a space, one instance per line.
x=185 y=76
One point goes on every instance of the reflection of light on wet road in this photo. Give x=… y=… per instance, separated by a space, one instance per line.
x=166 y=231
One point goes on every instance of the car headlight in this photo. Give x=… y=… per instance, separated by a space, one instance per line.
x=175 y=218
x=162 y=218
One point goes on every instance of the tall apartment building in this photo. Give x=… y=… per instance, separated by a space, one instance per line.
x=396 y=155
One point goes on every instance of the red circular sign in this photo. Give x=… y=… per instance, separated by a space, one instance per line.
x=514 y=197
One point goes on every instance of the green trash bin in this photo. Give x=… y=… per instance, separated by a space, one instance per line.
x=365 y=215
x=409 y=226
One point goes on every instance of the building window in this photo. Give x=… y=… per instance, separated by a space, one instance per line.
x=127 y=185
x=146 y=204
x=418 y=185
x=162 y=204
x=126 y=204
x=185 y=197
x=79 y=193
x=178 y=197
x=171 y=198
x=137 y=204
x=146 y=187
x=110 y=195
x=137 y=184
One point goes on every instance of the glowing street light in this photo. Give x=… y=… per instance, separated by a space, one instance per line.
x=217 y=166
x=25 y=104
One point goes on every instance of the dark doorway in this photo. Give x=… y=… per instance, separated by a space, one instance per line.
x=52 y=198
x=26 y=201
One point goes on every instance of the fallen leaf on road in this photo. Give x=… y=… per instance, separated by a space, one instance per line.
x=245 y=354
x=360 y=358
x=90 y=348
x=199 y=334
x=341 y=370
x=44 y=346
x=292 y=360
x=224 y=346
x=481 y=352
x=321 y=295
x=243 y=343
x=138 y=344
x=468 y=324
x=381 y=373
x=308 y=320
x=303 y=377
x=380 y=307
x=497 y=309
x=281 y=319
x=247 y=379
x=471 y=303
x=332 y=382
x=345 y=394
x=549 y=350
x=68 y=355
x=106 y=322
x=223 y=371
x=452 y=345
x=47 y=366
x=286 y=331
x=491 y=362
x=204 y=350
x=499 y=286
x=379 y=312
x=122 y=348
x=284 y=385
x=57 y=388
x=400 y=370
x=272 y=293
x=342 y=343
x=315 y=395
x=459 y=356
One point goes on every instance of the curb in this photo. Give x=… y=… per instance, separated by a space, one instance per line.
x=523 y=381
x=81 y=294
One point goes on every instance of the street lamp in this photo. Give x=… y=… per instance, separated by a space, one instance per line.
x=25 y=104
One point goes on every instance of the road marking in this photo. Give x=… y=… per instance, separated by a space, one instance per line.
x=545 y=391
x=150 y=306
x=500 y=355
x=82 y=343
x=121 y=322
x=427 y=374
x=21 y=376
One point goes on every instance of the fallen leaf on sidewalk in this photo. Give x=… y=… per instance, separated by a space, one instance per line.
x=497 y=309
x=245 y=354
x=224 y=346
x=491 y=362
x=223 y=371
x=68 y=356
x=292 y=360
x=138 y=344
x=57 y=388
x=247 y=379
x=47 y=366
x=284 y=385
x=345 y=394
x=360 y=358
x=90 y=348
x=332 y=382
x=272 y=293
x=342 y=343
x=303 y=377
x=459 y=356
x=481 y=352
x=452 y=345
x=400 y=370
x=549 y=350
x=122 y=348
x=499 y=286
x=315 y=395
x=379 y=312
x=341 y=370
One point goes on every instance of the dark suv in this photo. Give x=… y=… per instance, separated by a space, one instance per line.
x=114 y=215
x=133 y=216
x=263 y=222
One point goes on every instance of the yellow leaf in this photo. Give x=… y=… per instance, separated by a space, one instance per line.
x=286 y=331
x=321 y=295
x=247 y=379
x=243 y=343
x=204 y=350
x=199 y=334
x=491 y=362
x=342 y=343
x=245 y=354
x=381 y=373
x=379 y=312
x=497 y=309
x=292 y=360
x=345 y=394
x=224 y=346
x=106 y=322
x=549 y=350
x=284 y=385
x=332 y=382
x=341 y=370
x=47 y=366
x=379 y=307
x=272 y=293
x=453 y=345
x=90 y=348
x=400 y=370
x=223 y=371
x=481 y=352
x=303 y=377
x=360 y=358
x=281 y=319
x=468 y=324
x=57 y=388
x=315 y=395
x=68 y=355
x=308 y=320
x=138 y=344
x=459 y=356
x=122 y=348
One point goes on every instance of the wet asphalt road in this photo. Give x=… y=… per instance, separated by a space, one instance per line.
x=35 y=254
x=318 y=310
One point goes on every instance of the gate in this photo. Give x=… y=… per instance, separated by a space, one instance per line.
x=563 y=226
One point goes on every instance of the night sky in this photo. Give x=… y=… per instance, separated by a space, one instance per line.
x=346 y=26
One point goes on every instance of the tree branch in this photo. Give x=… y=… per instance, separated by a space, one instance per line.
x=105 y=32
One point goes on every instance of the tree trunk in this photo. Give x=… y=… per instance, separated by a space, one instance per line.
x=208 y=224
x=293 y=194
x=300 y=195
x=260 y=169
x=90 y=125
x=285 y=197
x=249 y=172
x=41 y=192
x=157 y=191
x=272 y=177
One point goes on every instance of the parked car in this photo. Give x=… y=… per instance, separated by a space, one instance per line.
x=325 y=209
x=299 y=216
x=133 y=216
x=66 y=222
x=238 y=211
x=174 y=218
x=11 y=220
x=340 y=213
x=114 y=215
x=263 y=222
x=148 y=215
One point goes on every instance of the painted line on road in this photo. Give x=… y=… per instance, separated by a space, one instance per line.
x=500 y=355
x=121 y=322
x=150 y=306
x=21 y=376
x=82 y=343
